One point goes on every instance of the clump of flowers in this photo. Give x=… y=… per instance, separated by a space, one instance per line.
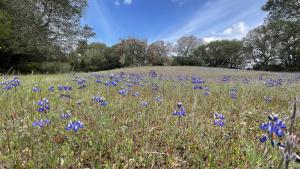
x=74 y=125
x=36 y=89
x=100 y=100
x=122 y=92
x=80 y=82
x=152 y=74
x=180 y=111
x=219 y=119
x=43 y=105
x=66 y=115
x=144 y=104
x=51 y=88
x=274 y=127
x=233 y=93
x=10 y=84
x=206 y=91
x=273 y=82
x=197 y=82
x=41 y=123
x=111 y=83
x=64 y=88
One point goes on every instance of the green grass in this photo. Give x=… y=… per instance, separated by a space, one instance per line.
x=126 y=135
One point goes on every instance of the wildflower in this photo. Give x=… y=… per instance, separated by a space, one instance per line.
x=51 y=88
x=7 y=85
x=123 y=92
x=180 y=110
x=219 y=119
x=98 y=80
x=136 y=94
x=152 y=74
x=206 y=91
x=100 y=100
x=197 y=81
x=74 y=125
x=144 y=104
x=41 y=123
x=43 y=105
x=233 y=93
x=66 y=115
x=65 y=88
x=225 y=79
x=198 y=87
x=36 y=89
x=274 y=126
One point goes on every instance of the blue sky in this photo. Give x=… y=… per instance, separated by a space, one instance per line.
x=170 y=19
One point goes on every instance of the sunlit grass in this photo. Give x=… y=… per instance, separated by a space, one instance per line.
x=124 y=134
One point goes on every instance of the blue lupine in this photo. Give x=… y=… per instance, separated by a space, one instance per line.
x=219 y=119
x=263 y=139
x=180 y=110
x=98 y=81
x=7 y=85
x=36 y=89
x=144 y=104
x=198 y=87
x=136 y=94
x=206 y=91
x=66 y=115
x=65 y=88
x=43 y=105
x=233 y=93
x=51 y=88
x=74 y=125
x=122 y=92
x=152 y=74
x=41 y=123
x=273 y=126
x=100 y=100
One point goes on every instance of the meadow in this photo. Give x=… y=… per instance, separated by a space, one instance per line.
x=147 y=117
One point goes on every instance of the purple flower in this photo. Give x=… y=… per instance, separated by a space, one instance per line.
x=219 y=119
x=41 y=123
x=100 y=100
x=51 y=88
x=74 y=125
x=180 y=110
x=43 y=105
x=36 y=89
x=144 y=104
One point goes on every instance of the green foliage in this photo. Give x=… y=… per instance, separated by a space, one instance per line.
x=44 y=67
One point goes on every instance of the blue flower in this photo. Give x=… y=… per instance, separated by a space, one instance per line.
x=263 y=139
x=180 y=110
x=43 y=105
x=123 y=92
x=66 y=115
x=219 y=119
x=51 y=88
x=158 y=99
x=136 y=94
x=36 y=89
x=144 y=104
x=233 y=93
x=100 y=100
x=74 y=125
x=41 y=123
x=206 y=91
x=10 y=84
x=267 y=99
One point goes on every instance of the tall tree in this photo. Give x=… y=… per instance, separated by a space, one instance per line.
x=186 y=45
x=157 y=53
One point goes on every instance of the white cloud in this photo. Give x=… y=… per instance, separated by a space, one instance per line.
x=236 y=31
x=127 y=2
x=214 y=15
x=117 y=3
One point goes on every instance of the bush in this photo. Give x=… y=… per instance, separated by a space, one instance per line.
x=44 y=67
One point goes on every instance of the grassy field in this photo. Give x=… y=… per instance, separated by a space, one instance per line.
x=134 y=124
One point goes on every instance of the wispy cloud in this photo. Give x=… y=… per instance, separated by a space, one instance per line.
x=210 y=18
x=125 y=2
x=236 y=31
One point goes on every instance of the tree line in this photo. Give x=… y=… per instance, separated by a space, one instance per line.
x=46 y=36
